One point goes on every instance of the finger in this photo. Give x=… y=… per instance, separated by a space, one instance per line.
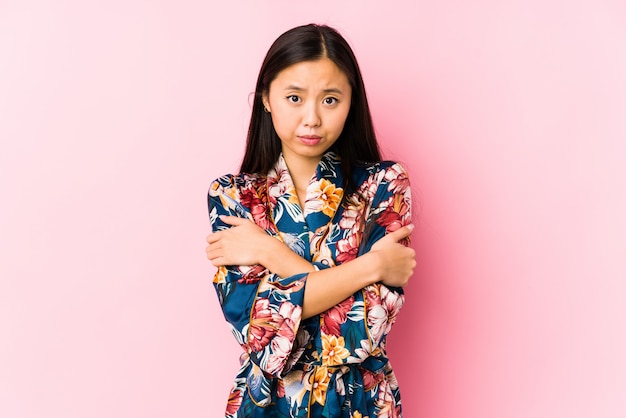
x=218 y=262
x=212 y=254
x=214 y=239
x=214 y=248
x=401 y=233
x=233 y=220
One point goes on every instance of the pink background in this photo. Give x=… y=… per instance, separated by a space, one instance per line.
x=116 y=115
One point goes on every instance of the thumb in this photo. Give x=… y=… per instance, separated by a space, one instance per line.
x=401 y=233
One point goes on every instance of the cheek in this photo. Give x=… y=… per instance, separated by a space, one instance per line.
x=340 y=120
x=282 y=122
x=278 y=115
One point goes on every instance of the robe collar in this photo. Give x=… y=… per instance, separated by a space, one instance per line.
x=322 y=200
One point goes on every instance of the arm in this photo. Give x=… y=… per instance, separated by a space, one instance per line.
x=391 y=209
x=246 y=244
x=384 y=259
x=389 y=262
x=264 y=310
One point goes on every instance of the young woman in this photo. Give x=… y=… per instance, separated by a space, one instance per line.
x=310 y=241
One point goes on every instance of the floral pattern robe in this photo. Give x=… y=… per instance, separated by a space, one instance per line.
x=333 y=364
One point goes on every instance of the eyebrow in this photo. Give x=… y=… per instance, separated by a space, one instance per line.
x=330 y=90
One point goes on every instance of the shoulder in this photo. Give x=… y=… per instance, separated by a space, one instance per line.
x=232 y=183
x=383 y=170
x=381 y=180
x=229 y=193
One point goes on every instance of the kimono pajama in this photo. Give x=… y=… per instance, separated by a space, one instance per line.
x=333 y=364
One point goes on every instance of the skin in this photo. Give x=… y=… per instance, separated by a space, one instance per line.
x=309 y=102
x=308 y=99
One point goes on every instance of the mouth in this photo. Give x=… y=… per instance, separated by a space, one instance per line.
x=310 y=139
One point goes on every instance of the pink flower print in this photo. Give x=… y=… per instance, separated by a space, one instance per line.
x=386 y=403
x=397 y=178
x=395 y=214
x=369 y=187
x=390 y=220
x=253 y=202
x=348 y=248
x=234 y=402
x=286 y=319
x=392 y=302
x=371 y=379
x=352 y=219
x=372 y=294
x=281 y=347
x=252 y=274
x=279 y=182
x=288 y=316
x=383 y=308
x=335 y=316
x=262 y=326
x=377 y=321
x=290 y=311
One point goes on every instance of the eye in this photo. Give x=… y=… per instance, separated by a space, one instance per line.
x=330 y=101
x=294 y=99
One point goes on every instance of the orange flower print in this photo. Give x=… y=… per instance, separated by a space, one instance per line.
x=312 y=366
x=333 y=350
x=220 y=275
x=319 y=384
x=325 y=197
x=293 y=195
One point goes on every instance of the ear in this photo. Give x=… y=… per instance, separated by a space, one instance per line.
x=266 y=102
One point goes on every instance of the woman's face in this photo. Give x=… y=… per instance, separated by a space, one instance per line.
x=309 y=103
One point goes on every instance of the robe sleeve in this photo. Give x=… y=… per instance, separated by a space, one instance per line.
x=264 y=310
x=390 y=210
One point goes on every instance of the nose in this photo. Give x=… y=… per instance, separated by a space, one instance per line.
x=311 y=115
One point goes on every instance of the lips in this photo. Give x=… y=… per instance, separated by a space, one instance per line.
x=310 y=139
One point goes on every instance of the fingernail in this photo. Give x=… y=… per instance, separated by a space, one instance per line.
x=410 y=226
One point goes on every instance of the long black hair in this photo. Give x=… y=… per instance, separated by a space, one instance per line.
x=357 y=143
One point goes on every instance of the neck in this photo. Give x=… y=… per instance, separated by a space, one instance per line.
x=301 y=169
x=301 y=172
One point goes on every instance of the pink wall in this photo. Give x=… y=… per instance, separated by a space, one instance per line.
x=115 y=116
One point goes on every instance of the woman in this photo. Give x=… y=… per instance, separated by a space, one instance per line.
x=310 y=241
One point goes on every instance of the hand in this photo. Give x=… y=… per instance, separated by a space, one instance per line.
x=240 y=245
x=397 y=261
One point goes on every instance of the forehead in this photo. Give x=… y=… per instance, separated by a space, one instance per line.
x=322 y=73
